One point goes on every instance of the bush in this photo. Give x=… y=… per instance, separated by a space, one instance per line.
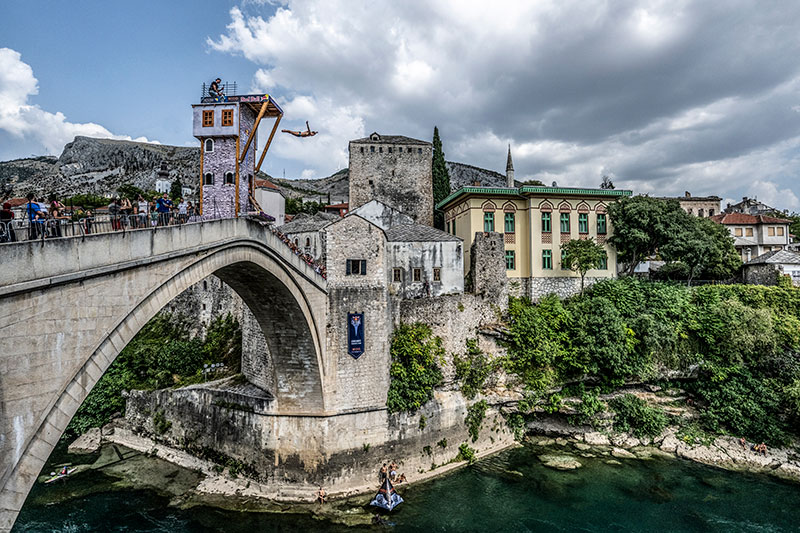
x=475 y=415
x=414 y=371
x=472 y=370
x=635 y=415
x=590 y=405
x=465 y=453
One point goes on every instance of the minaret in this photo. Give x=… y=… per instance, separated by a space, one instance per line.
x=509 y=170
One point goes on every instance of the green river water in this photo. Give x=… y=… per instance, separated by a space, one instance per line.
x=511 y=491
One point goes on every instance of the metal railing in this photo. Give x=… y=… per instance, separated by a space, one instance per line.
x=228 y=88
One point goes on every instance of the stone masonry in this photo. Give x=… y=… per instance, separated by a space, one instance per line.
x=488 y=266
x=394 y=170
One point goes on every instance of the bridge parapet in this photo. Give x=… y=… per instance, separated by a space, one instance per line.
x=29 y=265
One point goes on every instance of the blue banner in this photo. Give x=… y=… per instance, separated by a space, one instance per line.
x=355 y=334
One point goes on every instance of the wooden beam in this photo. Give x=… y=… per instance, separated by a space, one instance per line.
x=255 y=128
x=269 y=141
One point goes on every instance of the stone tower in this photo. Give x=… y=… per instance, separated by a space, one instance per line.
x=227 y=134
x=395 y=170
x=509 y=169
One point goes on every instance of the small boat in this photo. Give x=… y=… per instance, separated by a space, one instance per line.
x=58 y=476
x=387 y=498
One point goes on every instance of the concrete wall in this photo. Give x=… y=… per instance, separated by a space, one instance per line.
x=273 y=203
x=62 y=322
x=399 y=179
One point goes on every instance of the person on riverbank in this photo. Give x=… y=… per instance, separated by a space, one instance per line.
x=382 y=474
x=321 y=495
x=743 y=443
x=393 y=472
x=762 y=449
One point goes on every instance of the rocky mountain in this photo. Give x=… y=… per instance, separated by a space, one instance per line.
x=100 y=166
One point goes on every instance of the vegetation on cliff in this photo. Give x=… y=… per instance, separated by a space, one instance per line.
x=740 y=345
x=162 y=354
x=414 y=372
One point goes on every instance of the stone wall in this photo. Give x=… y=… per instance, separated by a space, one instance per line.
x=219 y=198
x=563 y=287
x=362 y=382
x=339 y=452
x=488 y=266
x=764 y=274
x=400 y=179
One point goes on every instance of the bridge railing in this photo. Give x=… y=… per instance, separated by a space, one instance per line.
x=42 y=229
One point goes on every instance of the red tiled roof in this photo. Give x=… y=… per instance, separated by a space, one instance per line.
x=266 y=184
x=338 y=206
x=15 y=202
x=742 y=218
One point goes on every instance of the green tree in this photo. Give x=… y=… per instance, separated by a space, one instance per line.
x=176 y=190
x=582 y=255
x=705 y=247
x=131 y=192
x=642 y=225
x=441 y=179
x=607 y=183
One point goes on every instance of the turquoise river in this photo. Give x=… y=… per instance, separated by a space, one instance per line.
x=511 y=491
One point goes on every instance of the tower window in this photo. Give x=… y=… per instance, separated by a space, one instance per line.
x=208 y=179
x=371 y=148
x=356 y=267
x=227 y=117
x=437 y=274
x=408 y=149
x=229 y=178
x=208 y=118
x=397 y=274
x=308 y=242
x=419 y=150
x=417 y=274
x=380 y=149
x=362 y=149
x=390 y=149
x=209 y=145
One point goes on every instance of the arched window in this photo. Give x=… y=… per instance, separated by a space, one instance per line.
x=308 y=242
x=209 y=145
x=229 y=178
x=208 y=179
x=297 y=242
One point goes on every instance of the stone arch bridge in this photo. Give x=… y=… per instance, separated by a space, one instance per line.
x=69 y=306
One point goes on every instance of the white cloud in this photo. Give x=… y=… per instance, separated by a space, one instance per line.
x=665 y=95
x=24 y=120
x=769 y=193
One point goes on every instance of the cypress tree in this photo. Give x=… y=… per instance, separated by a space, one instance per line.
x=441 y=180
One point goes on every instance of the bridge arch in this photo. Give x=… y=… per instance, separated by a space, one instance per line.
x=289 y=305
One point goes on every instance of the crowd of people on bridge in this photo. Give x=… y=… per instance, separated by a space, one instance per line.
x=306 y=257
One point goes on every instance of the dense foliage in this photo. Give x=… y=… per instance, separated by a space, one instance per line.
x=161 y=355
x=741 y=341
x=441 y=179
x=647 y=227
x=414 y=372
x=295 y=206
x=475 y=415
x=635 y=415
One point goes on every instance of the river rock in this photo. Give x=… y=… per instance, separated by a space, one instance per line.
x=622 y=454
x=595 y=438
x=89 y=442
x=581 y=446
x=670 y=443
x=561 y=441
x=612 y=462
x=560 y=462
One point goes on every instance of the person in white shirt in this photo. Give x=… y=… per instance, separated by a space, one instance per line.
x=142 y=211
x=182 y=207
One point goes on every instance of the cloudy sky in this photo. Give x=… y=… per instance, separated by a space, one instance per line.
x=664 y=96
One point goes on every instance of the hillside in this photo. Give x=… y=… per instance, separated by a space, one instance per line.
x=100 y=166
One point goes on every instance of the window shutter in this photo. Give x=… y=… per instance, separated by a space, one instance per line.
x=347 y=273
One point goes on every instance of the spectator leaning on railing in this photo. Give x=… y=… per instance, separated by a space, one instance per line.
x=7 y=233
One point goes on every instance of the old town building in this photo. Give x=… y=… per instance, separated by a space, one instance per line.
x=536 y=221
x=755 y=235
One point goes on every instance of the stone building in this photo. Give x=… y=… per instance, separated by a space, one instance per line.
x=395 y=170
x=228 y=146
x=535 y=221
x=700 y=206
x=751 y=206
x=306 y=232
x=767 y=268
x=755 y=235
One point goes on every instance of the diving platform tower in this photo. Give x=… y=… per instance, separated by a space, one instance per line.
x=228 y=149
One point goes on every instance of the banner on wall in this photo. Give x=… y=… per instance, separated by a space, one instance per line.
x=355 y=334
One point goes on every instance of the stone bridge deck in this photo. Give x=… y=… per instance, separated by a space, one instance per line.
x=68 y=307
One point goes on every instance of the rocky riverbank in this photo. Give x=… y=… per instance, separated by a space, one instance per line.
x=721 y=451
